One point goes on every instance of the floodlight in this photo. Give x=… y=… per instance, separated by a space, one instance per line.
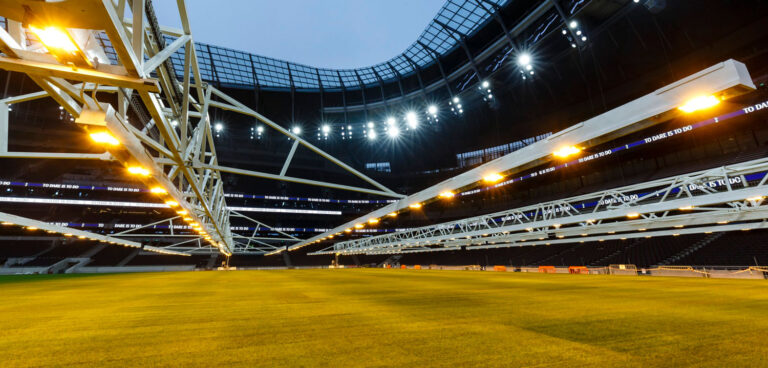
x=359 y=226
x=55 y=39
x=392 y=214
x=104 y=138
x=31 y=228
x=486 y=84
x=699 y=103
x=172 y=203
x=158 y=190
x=138 y=170
x=372 y=134
x=573 y=24
x=633 y=215
x=432 y=109
x=370 y=124
x=447 y=194
x=567 y=151
x=391 y=121
x=373 y=221
x=456 y=99
x=260 y=129
x=393 y=131
x=524 y=59
x=218 y=127
x=412 y=119
x=296 y=130
x=493 y=177
x=415 y=206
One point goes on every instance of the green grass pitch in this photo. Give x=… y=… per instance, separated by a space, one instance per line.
x=381 y=318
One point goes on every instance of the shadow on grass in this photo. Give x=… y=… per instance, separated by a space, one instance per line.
x=10 y=279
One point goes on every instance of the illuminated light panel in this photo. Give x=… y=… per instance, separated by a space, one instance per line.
x=31 y=228
x=447 y=194
x=138 y=170
x=158 y=190
x=699 y=103
x=182 y=212
x=755 y=199
x=68 y=235
x=81 y=237
x=348 y=230
x=493 y=178
x=633 y=215
x=415 y=206
x=172 y=203
x=359 y=226
x=104 y=138
x=686 y=208
x=566 y=151
x=392 y=214
x=55 y=38
x=6 y=223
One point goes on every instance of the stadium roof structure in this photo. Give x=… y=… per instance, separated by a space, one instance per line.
x=456 y=21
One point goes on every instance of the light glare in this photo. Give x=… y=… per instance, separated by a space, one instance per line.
x=104 y=138
x=699 y=103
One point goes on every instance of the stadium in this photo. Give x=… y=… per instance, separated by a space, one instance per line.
x=527 y=183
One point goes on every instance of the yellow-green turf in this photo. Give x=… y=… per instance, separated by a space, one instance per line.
x=381 y=318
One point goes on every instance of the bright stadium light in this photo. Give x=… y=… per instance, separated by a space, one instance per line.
x=524 y=59
x=567 y=151
x=326 y=129
x=158 y=190
x=573 y=24
x=296 y=130
x=138 y=170
x=412 y=120
x=486 y=84
x=393 y=132
x=218 y=127
x=260 y=129
x=699 y=103
x=391 y=121
x=372 y=134
x=456 y=99
x=415 y=206
x=432 y=109
x=55 y=38
x=105 y=138
x=447 y=194
x=370 y=124
x=493 y=178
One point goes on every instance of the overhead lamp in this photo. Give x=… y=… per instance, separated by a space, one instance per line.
x=371 y=134
x=182 y=212
x=447 y=194
x=296 y=130
x=138 y=170
x=573 y=24
x=493 y=178
x=373 y=221
x=172 y=203
x=524 y=59
x=67 y=235
x=485 y=84
x=699 y=103
x=218 y=127
x=755 y=199
x=6 y=223
x=566 y=151
x=158 y=190
x=392 y=214
x=412 y=119
x=686 y=208
x=104 y=138
x=370 y=124
x=348 y=230
x=391 y=121
x=432 y=109
x=415 y=206
x=187 y=219
x=359 y=226
x=31 y=228
x=55 y=38
x=393 y=131
x=81 y=237
x=455 y=99
x=633 y=215
x=325 y=129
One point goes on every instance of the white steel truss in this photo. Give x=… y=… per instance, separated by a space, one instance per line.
x=697 y=202
x=173 y=140
x=723 y=80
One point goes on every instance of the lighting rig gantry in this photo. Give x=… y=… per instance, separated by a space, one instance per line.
x=61 y=47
